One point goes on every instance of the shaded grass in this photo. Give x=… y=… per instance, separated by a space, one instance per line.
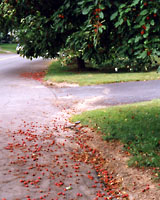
x=70 y=74
x=8 y=47
x=137 y=126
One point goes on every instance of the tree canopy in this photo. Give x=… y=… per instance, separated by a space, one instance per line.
x=96 y=30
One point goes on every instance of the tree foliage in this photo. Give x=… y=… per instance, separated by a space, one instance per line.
x=96 y=30
x=137 y=29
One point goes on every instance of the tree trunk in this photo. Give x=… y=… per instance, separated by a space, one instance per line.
x=81 y=64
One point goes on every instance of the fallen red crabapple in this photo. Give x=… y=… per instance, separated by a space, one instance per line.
x=34 y=146
x=79 y=195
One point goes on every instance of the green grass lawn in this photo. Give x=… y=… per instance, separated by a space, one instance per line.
x=8 y=47
x=137 y=126
x=57 y=73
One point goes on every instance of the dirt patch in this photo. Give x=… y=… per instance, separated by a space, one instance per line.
x=60 y=85
x=138 y=183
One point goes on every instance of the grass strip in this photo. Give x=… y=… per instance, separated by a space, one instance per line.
x=137 y=126
x=70 y=74
x=8 y=47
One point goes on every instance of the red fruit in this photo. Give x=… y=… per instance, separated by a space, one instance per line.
x=94 y=186
x=142 y=32
x=145 y=4
x=147 y=188
x=90 y=177
x=98 y=10
x=148 y=53
x=155 y=14
x=124 y=195
x=144 y=27
x=79 y=195
x=61 y=16
x=147 y=18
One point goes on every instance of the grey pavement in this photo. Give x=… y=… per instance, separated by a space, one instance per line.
x=97 y=96
x=18 y=94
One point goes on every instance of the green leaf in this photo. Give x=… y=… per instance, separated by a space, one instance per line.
x=101 y=15
x=119 y=23
x=144 y=12
x=147 y=27
x=130 y=41
x=135 y=2
x=101 y=7
x=122 y=6
x=127 y=10
x=67 y=5
x=100 y=29
x=96 y=2
x=152 y=22
x=128 y=22
x=137 y=39
x=143 y=54
x=114 y=15
x=85 y=11
x=142 y=22
x=155 y=10
x=137 y=26
x=80 y=3
x=145 y=35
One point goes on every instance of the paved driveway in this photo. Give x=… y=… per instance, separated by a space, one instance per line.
x=91 y=97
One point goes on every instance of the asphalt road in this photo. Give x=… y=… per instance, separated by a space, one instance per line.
x=117 y=93
x=20 y=97
x=97 y=96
